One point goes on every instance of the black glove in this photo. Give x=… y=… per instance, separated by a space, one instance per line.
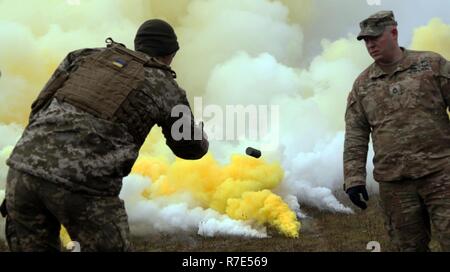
x=354 y=192
x=3 y=211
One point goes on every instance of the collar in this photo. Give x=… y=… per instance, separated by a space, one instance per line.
x=155 y=63
x=375 y=70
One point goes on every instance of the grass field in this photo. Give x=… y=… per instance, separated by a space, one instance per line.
x=321 y=231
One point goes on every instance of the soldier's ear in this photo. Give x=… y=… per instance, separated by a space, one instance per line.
x=394 y=32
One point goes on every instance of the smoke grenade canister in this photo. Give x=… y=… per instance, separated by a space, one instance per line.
x=253 y=152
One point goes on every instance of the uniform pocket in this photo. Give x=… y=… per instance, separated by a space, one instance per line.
x=381 y=101
x=108 y=216
x=429 y=96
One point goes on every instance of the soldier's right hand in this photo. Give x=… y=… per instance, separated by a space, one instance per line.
x=354 y=195
x=3 y=210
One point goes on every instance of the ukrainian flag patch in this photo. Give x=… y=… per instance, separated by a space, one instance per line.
x=119 y=63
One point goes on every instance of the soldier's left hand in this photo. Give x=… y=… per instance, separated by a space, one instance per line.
x=354 y=195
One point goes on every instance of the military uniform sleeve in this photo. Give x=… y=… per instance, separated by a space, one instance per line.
x=57 y=80
x=184 y=137
x=357 y=132
x=445 y=80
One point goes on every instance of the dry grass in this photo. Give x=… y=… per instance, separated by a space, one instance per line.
x=321 y=231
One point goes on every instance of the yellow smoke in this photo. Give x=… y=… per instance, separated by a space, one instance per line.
x=300 y=11
x=240 y=189
x=264 y=207
x=433 y=37
x=32 y=46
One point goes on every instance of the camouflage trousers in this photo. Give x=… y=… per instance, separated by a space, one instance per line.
x=413 y=207
x=37 y=208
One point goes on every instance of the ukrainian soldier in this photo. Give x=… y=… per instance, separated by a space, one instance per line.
x=402 y=101
x=84 y=134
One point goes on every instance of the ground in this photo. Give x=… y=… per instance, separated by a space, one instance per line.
x=321 y=231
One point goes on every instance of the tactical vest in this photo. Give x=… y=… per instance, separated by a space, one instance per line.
x=106 y=84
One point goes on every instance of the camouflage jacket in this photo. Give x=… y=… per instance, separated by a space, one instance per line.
x=406 y=113
x=86 y=154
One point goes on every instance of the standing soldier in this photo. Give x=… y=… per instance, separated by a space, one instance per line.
x=84 y=134
x=402 y=100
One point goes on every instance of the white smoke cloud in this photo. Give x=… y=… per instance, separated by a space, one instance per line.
x=177 y=213
x=312 y=104
x=250 y=80
x=213 y=31
x=9 y=136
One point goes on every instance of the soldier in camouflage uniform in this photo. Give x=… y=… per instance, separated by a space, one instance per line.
x=84 y=134
x=402 y=101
